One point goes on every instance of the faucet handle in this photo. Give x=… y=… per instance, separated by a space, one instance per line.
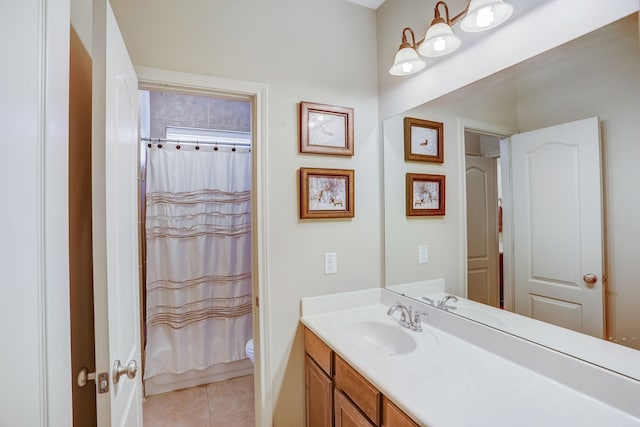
x=416 y=320
x=429 y=300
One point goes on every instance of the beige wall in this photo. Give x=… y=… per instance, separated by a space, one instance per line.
x=304 y=51
x=596 y=75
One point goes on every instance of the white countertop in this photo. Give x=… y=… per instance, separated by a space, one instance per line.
x=447 y=381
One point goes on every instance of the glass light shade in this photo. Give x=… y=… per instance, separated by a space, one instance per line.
x=485 y=14
x=407 y=62
x=439 y=41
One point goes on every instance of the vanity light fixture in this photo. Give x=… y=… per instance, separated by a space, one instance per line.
x=479 y=15
x=407 y=60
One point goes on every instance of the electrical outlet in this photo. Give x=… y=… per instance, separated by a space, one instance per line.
x=423 y=254
x=330 y=263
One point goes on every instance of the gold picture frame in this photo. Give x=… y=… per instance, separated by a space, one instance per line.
x=425 y=195
x=423 y=140
x=326 y=193
x=326 y=129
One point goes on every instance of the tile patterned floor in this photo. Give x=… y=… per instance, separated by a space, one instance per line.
x=227 y=403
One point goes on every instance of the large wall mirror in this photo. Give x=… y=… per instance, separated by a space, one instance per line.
x=594 y=76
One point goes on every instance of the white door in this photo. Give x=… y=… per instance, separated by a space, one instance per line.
x=558 y=237
x=115 y=227
x=482 y=231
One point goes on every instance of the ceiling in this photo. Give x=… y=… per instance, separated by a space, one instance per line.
x=520 y=6
x=372 y=4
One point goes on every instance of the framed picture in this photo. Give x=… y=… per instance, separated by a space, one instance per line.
x=425 y=194
x=423 y=140
x=326 y=193
x=326 y=129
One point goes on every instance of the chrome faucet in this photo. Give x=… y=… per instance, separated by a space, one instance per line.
x=405 y=314
x=443 y=302
x=408 y=317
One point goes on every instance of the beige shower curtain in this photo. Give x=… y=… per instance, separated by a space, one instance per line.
x=198 y=227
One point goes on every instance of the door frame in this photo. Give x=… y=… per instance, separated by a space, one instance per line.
x=194 y=84
x=36 y=355
x=508 y=270
x=501 y=132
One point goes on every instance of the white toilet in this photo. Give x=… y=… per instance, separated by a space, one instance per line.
x=248 y=349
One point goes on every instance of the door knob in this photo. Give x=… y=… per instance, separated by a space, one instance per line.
x=118 y=370
x=590 y=279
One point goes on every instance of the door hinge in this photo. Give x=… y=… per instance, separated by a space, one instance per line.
x=257 y=302
x=103 y=379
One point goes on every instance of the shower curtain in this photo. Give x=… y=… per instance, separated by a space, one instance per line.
x=198 y=227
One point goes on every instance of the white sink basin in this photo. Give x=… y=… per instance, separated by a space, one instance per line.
x=378 y=337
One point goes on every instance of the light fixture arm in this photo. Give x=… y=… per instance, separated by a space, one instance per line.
x=450 y=22
x=405 y=43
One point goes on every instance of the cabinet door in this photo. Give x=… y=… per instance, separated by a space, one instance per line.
x=346 y=413
x=392 y=416
x=318 y=395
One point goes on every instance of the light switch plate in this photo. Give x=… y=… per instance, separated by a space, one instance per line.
x=330 y=263
x=423 y=254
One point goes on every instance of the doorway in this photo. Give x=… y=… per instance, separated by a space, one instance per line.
x=255 y=94
x=196 y=165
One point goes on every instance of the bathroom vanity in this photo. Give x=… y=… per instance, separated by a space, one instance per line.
x=362 y=368
x=336 y=394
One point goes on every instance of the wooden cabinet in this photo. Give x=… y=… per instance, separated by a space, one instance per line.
x=318 y=390
x=319 y=352
x=347 y=414
x=337 y=395
x=392 y=416
x=318 y=395
x=359 y=390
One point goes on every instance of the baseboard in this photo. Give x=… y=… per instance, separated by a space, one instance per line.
x=223 y=371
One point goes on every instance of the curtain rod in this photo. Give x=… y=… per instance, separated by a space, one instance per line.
x=196 y=142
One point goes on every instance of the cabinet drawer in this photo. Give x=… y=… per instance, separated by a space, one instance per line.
x=358 y=389
x=392 y=416
x=318 y=351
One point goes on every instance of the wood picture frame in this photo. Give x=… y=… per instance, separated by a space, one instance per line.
x=326 y=129
x=423 y=140
x=425 y=195
x=326 y=193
